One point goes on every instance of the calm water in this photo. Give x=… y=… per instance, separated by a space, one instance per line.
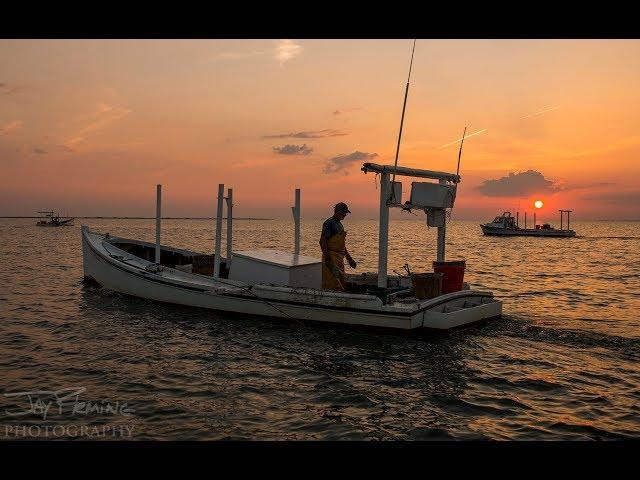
x=563 y=363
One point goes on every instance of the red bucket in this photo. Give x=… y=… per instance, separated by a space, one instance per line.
x=453 y=275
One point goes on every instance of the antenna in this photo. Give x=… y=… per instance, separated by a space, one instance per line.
x=460 y=151
x=404 y=106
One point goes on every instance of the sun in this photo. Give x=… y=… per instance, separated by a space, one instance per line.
x=538 y=204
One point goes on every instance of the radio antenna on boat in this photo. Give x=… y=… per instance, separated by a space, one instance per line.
x=460 y=151
x=404 y=106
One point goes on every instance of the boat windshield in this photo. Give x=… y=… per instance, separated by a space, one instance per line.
x=498 y=220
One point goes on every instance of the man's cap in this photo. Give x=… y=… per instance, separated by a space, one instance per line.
x=342 y=207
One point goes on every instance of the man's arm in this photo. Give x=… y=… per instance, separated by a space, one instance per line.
x=352 y=262
x=324 y=237
x=324 y=247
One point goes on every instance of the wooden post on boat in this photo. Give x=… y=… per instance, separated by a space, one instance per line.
x=158 y=215
x=383 y=230
x=216 y=261
x=441 y=231
x=534 y=219
x=517 y=219
x=296 y=220
x=229 y=200
x=561 y=212
x=568 y=212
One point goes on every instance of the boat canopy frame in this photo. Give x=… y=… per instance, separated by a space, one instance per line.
x=383 y=223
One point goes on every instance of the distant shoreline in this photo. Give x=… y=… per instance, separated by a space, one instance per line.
x=271 y=219
x=153 y=218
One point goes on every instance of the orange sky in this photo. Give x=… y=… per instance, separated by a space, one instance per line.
x=89 y=127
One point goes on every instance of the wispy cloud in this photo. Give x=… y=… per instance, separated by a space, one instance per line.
x=96 y=121
x=11 y=127
x=345 y=110
x=518 y=185
x=619 y=198
x=223 y=56
x=8 y=89
x=327 y=132
x=287 y=50
x=284 y=51
x=545 y=109
x=39 y=151
x=293 y=150
x=342 y=161
x=588 y=186
x=465 y=137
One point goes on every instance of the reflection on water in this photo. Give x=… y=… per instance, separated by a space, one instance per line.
x=561 y=364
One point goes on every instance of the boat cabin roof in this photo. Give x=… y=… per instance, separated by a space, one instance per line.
x=410 y=172
x=276 y=257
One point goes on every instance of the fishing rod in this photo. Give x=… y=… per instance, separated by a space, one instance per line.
x=404 y=106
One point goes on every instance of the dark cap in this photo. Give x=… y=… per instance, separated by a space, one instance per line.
x=342 y=207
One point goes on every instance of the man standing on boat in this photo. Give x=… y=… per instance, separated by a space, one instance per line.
x=334 y=250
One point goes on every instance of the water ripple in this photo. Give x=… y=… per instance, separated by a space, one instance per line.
x=561 y=364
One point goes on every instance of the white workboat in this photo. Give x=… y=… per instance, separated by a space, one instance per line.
x=52 y=219
x=506 y=225
x=287 y=285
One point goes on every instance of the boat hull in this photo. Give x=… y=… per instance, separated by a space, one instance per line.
x=128 y=275
x=526 y=232
x=57 y=223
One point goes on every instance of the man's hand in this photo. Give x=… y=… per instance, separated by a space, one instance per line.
x=352 y=262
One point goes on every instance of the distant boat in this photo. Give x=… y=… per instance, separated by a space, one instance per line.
x=507 y=225
x=51 y=219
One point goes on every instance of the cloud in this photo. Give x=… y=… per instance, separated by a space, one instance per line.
x=345 y=110
x=340 y=162
x=39 y=151
x=293 y=150
x=8 y=89
x=287 y=50
x=588 y=186
x=284 y=51
x=100 y=119
x=518 y=185
x=220 y=57
x=328 y=132
x=629 y=198
x=11 y=127
x=65 y=148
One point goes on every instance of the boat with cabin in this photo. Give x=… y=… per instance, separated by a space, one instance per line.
x=281 y=284
x=52 y=219
x=506 y=225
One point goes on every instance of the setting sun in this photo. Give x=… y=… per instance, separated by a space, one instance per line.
x=538 y=204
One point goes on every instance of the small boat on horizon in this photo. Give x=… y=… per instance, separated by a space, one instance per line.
x=506 y=225
x=52 y=219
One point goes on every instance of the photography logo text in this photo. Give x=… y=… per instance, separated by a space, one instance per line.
x=64 y=413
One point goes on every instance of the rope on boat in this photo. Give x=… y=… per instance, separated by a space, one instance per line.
x=124 y=260
x=248 y=289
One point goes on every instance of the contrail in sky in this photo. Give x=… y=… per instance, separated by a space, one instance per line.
x=465 y=137
x=544 y=110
